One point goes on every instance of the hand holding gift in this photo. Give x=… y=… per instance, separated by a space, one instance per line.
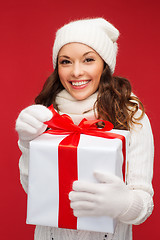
x=109 y=197
x=29 y=124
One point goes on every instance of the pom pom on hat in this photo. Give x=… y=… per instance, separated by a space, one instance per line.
x=96 y=33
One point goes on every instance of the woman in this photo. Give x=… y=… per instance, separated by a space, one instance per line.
x=83 y=85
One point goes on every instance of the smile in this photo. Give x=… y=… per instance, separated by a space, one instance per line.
x=79 y=83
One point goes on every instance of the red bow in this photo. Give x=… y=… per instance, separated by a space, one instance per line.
x=63 y=124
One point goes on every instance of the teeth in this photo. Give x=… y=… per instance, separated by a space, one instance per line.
x=79 y=83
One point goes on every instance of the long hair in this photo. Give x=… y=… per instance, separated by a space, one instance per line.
x=50 y=89
x=115 y=101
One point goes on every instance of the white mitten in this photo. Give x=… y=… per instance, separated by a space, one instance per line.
x=110 y=197
x=30 y=124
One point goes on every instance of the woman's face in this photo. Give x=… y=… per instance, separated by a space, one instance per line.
x=79 y=69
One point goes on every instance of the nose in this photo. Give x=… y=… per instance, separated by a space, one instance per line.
x=77 y=70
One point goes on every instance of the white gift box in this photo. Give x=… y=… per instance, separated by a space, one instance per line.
x=93 y=153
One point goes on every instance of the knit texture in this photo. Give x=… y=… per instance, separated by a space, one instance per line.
x=139 y=177
x=97 y=33
x=76 y=109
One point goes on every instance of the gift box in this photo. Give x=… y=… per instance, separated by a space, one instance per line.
x=59 y=157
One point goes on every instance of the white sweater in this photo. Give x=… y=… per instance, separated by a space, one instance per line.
x=139 y=176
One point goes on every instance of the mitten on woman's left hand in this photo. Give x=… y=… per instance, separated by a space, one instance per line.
x=110 y=197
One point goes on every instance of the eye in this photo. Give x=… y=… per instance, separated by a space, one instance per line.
x=65 y=61
x=89 y=60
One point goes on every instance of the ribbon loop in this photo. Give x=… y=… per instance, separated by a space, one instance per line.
x=64 y=122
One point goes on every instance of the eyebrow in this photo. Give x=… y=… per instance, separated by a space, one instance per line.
x=83 y=54
x=88 y=53
x=64 y=56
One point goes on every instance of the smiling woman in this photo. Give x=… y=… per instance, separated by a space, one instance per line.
x=83 y=86
x=79 y=69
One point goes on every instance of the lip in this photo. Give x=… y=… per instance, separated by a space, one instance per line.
x=80 y=86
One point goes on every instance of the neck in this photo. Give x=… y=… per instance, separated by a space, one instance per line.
x=76 y=109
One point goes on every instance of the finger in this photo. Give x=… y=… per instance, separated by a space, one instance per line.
x=82 y=186
x=31 y=120
x=106 y=177
x=82 y=205
x=81 y=196
x=40 y=112
x=83 y=213
x=23 y=127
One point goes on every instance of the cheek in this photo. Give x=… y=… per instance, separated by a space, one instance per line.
x=97 y=74
x=62 y=75
x=60 y=72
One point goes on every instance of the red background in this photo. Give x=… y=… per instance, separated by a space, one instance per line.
x=26 y=36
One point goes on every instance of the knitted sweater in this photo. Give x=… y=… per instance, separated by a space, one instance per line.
x=139 y=175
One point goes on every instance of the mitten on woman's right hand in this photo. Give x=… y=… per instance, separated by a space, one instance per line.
x=29 y=123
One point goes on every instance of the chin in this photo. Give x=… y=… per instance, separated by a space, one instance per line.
x=80 y=98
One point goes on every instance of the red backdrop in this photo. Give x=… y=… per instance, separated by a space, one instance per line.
x=26 y=36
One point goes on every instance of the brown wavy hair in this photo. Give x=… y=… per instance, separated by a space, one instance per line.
x=115 y=101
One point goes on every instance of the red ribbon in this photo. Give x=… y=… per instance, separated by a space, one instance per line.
x=67 y=157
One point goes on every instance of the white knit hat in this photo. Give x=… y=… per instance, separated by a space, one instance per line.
x=97 y=33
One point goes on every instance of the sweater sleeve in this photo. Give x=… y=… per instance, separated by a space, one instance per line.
x=140 y=172
x=23 y=165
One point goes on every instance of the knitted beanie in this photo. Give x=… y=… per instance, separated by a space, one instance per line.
x=96 y=33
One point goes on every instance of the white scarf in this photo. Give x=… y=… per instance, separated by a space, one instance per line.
x=76 y=109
